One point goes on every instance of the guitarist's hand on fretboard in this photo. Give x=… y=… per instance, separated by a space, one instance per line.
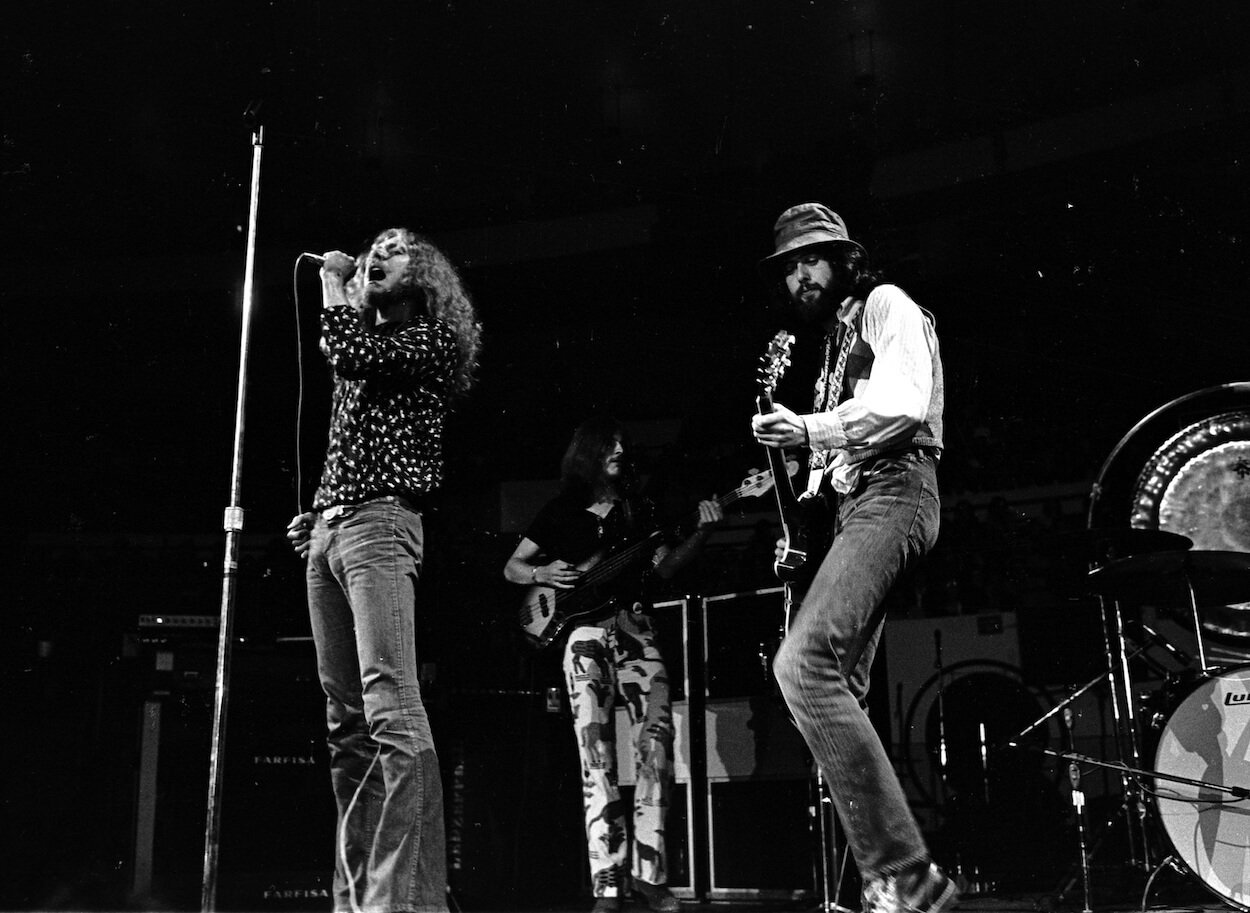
x=710 y=513
x=779 y=428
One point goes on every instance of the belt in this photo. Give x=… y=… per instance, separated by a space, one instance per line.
x=917 y=450
x=334 y=511
x=933 y=453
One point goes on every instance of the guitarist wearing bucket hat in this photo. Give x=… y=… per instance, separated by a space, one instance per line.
x=875 y=436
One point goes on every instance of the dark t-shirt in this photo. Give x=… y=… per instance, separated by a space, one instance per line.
x=564 y=529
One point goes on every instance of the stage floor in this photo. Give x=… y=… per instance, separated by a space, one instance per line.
x=1178 y=897
x=1032 y=903
x=1024 y=904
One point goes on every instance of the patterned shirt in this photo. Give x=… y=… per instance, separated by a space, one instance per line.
x=390 y=403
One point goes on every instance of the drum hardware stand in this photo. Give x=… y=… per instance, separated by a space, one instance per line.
x=1078 y=804
x=1193 y=607
x=1127 y=734
x=942 y=757
x=1113 y=577
x=826 y=824
x=1122 y=698
x=1074 y=760
x=1063 y=705
x=970 y=880
x=1131 y=809
x=1237 y=792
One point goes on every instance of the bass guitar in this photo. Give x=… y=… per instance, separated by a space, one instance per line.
x=546 y=611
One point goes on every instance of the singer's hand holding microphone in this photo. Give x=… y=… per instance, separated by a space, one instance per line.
x=335 y=263
x=336 y=268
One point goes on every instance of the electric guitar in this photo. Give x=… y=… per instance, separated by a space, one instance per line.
x=546 y=611
x=804 y=523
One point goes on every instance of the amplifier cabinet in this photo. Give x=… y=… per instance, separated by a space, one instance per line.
x=758 y=793
x=747 y=738
x=277 y=812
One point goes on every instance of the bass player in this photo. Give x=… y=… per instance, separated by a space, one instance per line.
x=597 y=510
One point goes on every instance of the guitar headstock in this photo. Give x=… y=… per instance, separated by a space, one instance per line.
x=757 y=483
x=775 y=361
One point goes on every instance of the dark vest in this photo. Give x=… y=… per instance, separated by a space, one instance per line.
x=859 y=367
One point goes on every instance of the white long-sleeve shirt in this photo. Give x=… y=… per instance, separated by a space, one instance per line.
x=895 y=376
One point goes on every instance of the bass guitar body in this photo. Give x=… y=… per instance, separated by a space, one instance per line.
x=546 y=612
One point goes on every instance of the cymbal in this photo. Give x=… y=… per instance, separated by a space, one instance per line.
x=1159 y=578
x=1119 y=541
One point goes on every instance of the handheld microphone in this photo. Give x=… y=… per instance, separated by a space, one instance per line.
x=320 y=260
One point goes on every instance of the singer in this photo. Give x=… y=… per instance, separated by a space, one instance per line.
x=875 y=434
x=401 y=338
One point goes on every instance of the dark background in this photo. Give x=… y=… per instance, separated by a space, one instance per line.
x=1063 y=185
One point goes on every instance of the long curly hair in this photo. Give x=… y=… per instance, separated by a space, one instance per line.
x=581 y=470
x=445 y=299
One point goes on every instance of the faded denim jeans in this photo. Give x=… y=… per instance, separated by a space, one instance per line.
x=363 y=566
x=884 y=525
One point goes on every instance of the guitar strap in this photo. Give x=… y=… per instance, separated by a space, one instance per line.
x=829 y=386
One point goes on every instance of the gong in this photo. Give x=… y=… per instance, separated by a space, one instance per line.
x=1198 y=485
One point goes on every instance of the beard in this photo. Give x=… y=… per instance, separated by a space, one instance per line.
x=814 y=304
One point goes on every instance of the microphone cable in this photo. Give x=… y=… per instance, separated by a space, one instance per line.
x=299 y=397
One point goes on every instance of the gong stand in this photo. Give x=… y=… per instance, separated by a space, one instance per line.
x=1128 y=735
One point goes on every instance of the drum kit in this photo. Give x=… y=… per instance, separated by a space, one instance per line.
x=1186 y=806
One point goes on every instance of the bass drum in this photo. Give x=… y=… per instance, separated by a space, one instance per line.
x=1207 y=738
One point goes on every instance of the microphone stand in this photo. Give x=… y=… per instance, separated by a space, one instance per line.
x=233 y=525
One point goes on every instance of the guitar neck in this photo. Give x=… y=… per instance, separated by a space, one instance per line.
x=782 y=484
x=729 y=497
x=618 y=561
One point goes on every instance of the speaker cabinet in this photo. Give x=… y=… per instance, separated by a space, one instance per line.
x=513 y=795
x=747 y=738
x=277 y=812
x=760 y=840
x=758 y=791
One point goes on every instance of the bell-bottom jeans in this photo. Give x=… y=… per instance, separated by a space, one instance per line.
x=363 y=566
